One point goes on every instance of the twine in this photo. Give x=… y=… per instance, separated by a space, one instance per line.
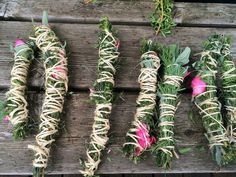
x=16 y=95
x=108 y=55
x=56 y=85
x=168 y=110
x=148 y=85
x=209 y=105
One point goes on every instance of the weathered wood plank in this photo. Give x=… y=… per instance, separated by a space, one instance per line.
x=15 y=158
x=3 y=6
x=136 y=11
x=224 y=175
x=138 y=175
x=168 y=175
x=81 y=40
x=198 y=174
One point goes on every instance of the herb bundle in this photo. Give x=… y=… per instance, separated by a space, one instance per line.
x=161 y=18
x=56 y=84
x=173 y=59
x=138 y=138
x=221 y=47
x=205 y=98
x=102 y=96
x=15 y=106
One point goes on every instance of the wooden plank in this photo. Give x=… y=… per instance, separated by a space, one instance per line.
x=136 y=11
x=168 y=175
x=72 y=175
x=198 y=174
x=224 y=175
x=83 y=57
x=3 y=8
x=138 y=175
x=15 y=158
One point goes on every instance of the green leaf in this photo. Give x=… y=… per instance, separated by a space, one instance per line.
x=183 y=58
x=45 y=18
x=185 y=150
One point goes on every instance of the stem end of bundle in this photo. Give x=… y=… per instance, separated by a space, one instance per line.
x=38 y=172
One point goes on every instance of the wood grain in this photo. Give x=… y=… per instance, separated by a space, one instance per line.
x=83 y=56
x=198 y=174
x=15 y=158
x=136 y=12
x=138 y=175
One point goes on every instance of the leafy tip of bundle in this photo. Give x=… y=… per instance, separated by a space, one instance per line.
x=174 y=55
x=105 y=24
x=45 y=18
x=148 y=45
x=216 y=42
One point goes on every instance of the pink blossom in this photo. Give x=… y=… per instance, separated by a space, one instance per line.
x=61 y=53
x=198 y=85
x=19 y=42
x=58 y=72
x=117 y=44
x=6 y=119
x=91 y=92
x=144 y=139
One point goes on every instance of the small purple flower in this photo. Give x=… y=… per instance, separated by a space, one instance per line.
x=19 y=42
x=6 y=119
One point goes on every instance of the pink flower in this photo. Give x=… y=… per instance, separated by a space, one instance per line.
x=61 y=53
x=58 y=72
x=198 y=85
x=144 y=139
x=117 y=44
x=6 y=119
x=91 y=92
x=18 y=42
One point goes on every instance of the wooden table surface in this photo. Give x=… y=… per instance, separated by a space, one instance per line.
x=76 y=24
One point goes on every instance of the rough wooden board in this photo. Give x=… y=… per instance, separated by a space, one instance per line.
x=15 y=158
x=137 y=175
x=168 y=175
x=198 y=175
x=3 y=6
x=224 y=175
x=81 y=40
x=135 y=12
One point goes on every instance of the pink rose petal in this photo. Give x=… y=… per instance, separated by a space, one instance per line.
x=144 y=139
x=18 y=42
x=6 y=119
x=58 y=72
x=117 y=43
x=198 y=86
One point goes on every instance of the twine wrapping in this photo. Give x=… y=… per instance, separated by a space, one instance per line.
x=102 y=96
x=56 y=86
x=16 y=104
x=210 y=108
x=228 y=79
x=146 y=103
x=168 y=93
